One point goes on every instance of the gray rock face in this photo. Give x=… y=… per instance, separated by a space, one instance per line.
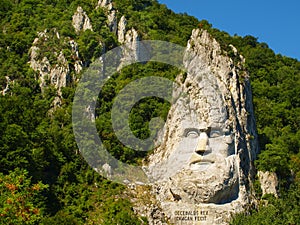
x=202 y=172
x=131 y=39
x=78 y=65
x=55 y=72
x=37 y=61
x=81 y=21
x=112 y=21
x=130 y=48
x=122 y=29
x=111 y=14
x=60 y=72
x=41 y=63
x=269 y=182
x=104 y=4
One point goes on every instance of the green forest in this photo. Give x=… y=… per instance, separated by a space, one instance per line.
x=43 y=177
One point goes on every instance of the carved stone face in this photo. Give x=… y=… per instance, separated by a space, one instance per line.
x=208 y=172
x=197 y=156
x=204 y=162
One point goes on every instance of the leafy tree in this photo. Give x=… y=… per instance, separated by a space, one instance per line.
x=20 y=200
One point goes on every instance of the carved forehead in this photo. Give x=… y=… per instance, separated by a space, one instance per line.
x=205 y=108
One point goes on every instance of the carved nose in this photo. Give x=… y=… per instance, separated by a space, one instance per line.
x=202 y=143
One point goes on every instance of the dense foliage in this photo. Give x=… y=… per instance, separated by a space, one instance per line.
x=44 y=180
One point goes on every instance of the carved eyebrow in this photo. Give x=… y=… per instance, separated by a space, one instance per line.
x=198 y=131
x=215 y=130
x=188 y=130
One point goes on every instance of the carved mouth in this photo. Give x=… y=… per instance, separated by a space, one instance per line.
x=201 y=161
x=197 y=159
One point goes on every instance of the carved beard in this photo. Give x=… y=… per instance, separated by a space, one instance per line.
x=218 y=184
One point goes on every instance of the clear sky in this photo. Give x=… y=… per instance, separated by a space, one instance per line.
x=275 y=22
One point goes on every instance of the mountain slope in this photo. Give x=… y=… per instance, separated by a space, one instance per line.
x=35 y=123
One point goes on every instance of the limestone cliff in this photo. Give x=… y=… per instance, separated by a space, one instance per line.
x=203 y=170
x=126 y=36
x=53 y=67
x=81 y=21
x=111 y=13
x=269 y=182
x=47 y=58
x=122 y=29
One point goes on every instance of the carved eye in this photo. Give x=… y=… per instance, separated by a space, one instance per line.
x=191 y=133
x=215 y=133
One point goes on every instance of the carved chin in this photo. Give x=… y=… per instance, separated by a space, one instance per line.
x=219 y=185
x=218 y=192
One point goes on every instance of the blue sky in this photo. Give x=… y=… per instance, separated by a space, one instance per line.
x=276 y=22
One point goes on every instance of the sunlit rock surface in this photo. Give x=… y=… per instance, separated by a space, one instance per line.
x=81 y=21
x=202 y=171
x=269 y=182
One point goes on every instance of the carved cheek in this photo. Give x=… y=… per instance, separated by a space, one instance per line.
x=228 y=139
x=220 y=147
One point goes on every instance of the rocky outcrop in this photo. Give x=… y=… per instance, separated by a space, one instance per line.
x=125 y=36
x=38 y=62
x=105 y=4
x=269 y=182
x=122 y=29
x=78 y=65
x=130 y=48
x=131 y=42
x=111 y=14
x=81 y=21
x=59 y=73
x=129 y=39
x=6 y=86
x=53 y=67
x=112 y=21
x=202 y=171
